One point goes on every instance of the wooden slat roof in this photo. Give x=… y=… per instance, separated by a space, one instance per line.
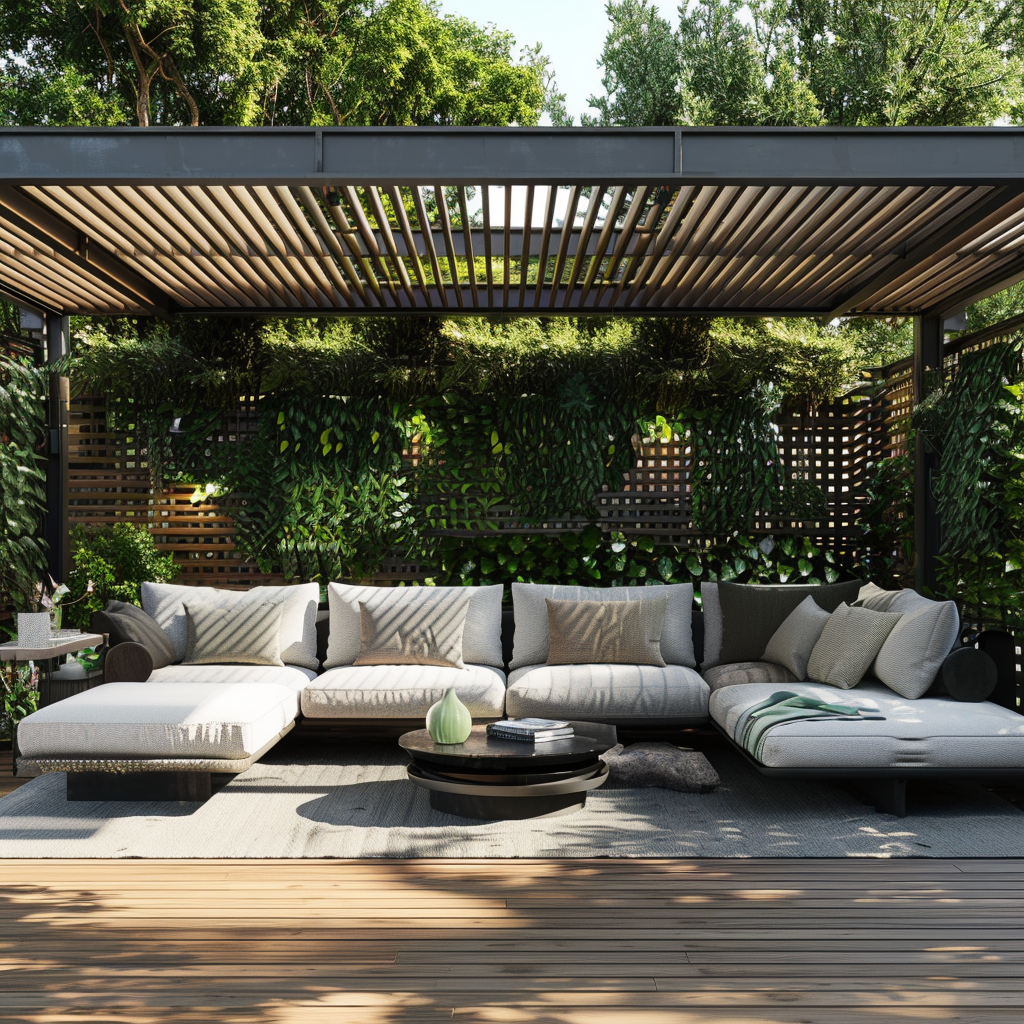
x=535 y=221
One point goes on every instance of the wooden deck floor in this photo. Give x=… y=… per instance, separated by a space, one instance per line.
x=554 y=942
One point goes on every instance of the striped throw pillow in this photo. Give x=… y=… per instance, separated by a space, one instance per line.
x=247 y=634
x=426 y=632
x=605 y=632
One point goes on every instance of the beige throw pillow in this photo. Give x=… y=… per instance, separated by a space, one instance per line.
x=848 y=644
x=426 y=632
x=248 y=634
x=605 y=632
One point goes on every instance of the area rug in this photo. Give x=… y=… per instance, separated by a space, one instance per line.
x=353 y=800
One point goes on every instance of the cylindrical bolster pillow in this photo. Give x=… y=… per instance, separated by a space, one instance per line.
x=968 y=675
x=127 y=663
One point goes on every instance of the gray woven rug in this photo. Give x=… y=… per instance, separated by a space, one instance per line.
x=354 y=801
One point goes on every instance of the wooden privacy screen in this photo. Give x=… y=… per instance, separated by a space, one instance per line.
x=111 y=480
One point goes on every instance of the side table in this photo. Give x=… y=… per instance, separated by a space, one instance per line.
x=11 y=654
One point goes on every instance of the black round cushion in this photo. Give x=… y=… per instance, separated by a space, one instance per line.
x=968 y=675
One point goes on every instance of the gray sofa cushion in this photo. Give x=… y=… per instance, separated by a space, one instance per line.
x=481 y=635
x=531 y=636
x=934 y=732
x=740 y=618
x=745 y=672
x=607 y=691
x=402 y=691
x=136 y=626
x=165 y=602
x=146 y=720
x=244 y=634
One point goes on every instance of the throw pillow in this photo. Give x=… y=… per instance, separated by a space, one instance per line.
x=875 y=598
x=848 y=645
x=605 y=632
x=740 y=618
x=913 y=652
x=791 y=644
x=166 y=603
x=138 y=627
x=531 y=615
x=248 y=634
x=414 y=633
x=481 y=636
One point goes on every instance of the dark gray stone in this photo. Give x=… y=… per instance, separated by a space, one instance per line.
x=662 y=765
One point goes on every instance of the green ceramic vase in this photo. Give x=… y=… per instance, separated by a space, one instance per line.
x=449 y=720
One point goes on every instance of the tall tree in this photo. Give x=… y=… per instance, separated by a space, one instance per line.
x=641 y=68
x=188 y=62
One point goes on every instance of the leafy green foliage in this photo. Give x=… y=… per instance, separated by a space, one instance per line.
x=888 y=520
x=319 y=62
x=117 y=559
x=593 y=557
x=20 y=697
x=22 y=479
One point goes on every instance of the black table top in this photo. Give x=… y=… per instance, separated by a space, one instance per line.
x=481 y=749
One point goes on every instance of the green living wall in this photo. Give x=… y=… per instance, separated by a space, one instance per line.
x=517 y=419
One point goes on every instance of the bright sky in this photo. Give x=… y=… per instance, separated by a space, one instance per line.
x=572 y=33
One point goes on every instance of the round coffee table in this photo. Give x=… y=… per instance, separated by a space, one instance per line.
x=493 y=779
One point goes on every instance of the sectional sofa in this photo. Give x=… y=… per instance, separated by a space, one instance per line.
x=172 y=720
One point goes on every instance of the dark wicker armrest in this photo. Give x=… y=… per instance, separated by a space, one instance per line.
x=127 y=663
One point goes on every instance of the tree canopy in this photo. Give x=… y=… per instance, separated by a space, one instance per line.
x=240 y=62
x=811 y=62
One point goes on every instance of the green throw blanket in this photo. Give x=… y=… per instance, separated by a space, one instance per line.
x=785 y=706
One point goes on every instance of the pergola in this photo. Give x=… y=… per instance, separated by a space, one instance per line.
x=535 y=222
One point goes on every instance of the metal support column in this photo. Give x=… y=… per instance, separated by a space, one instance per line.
x=55 y=525
x=927 y=529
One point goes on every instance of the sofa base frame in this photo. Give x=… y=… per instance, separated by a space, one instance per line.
x=144 y=786
x=885 y=788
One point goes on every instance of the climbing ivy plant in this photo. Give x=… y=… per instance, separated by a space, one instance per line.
x=22 y=479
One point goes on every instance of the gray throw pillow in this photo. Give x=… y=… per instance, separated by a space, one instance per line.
x=248 y=634
x=138 y=627
x=876 y=599
x=851 y=639
x=605 y=632
x=427 y=632
x=740 y=618
x=792 y=643
x=913 y=652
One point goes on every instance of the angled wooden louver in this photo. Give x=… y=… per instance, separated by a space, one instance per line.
x=533 y=248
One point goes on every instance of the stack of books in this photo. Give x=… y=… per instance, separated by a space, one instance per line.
x=530 y=730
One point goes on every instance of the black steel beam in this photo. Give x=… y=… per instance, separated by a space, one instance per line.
x=55 y=521
x=981 y=217
x=928 y=340
x=20 y=298
x=62 y=239
x=452 y=156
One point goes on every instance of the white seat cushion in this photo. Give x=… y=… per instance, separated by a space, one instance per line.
x=143 y=720
x=933 y=732
x=292 y=676
x=402 y=691
x=607 y=691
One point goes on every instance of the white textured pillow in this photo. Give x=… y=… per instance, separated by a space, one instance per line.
x=165 y=603
x=481 y=637
x=913 y=652
x=791 y=644
x=532 y=638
